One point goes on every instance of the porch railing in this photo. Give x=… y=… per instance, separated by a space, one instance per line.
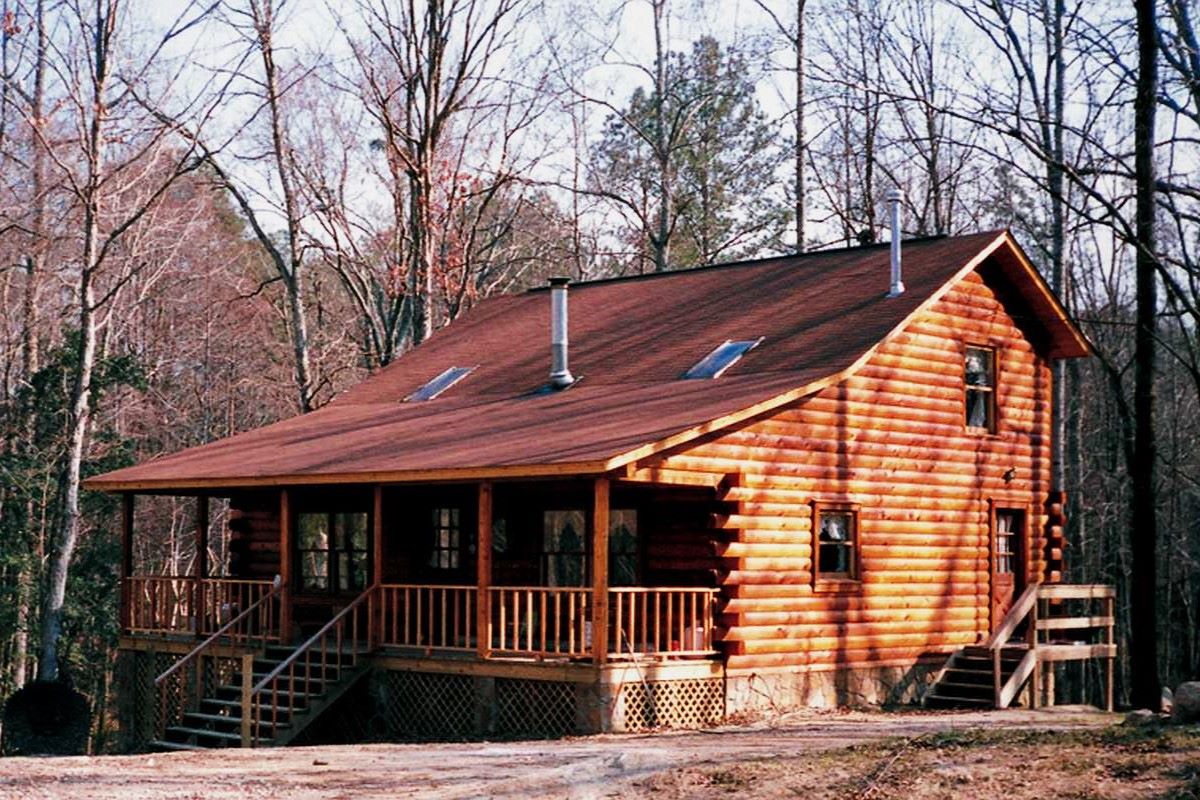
x=524 y=621
x=550 y=621
x=427 y=616
x=161 y=604
x=667 y=621
x=541 y=621
x=176 y=604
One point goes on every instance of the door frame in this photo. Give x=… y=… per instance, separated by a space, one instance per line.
x=1021 y=558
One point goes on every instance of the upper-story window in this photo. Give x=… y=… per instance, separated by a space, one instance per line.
x=980 y=381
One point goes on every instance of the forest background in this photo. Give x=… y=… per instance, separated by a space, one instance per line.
x=218 y=213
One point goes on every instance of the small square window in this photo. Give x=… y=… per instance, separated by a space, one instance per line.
x=446 y=539
x=836 y=563
x=979 y=380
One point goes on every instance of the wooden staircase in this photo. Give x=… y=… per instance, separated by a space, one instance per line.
x=1037 y=629
x=219 y=720
x=277 y=691
x=968 y=680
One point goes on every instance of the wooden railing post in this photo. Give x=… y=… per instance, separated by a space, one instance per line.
x=126 y=561
x=1109 y=611
x=247 y=691
x=600 y=499
x=997 y=677
x=483 y=559
x=1031 y=637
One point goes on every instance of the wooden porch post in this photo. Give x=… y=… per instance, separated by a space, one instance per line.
x=600 y=571
x=377 y=539
x=285 y=566
x=483 y=573
x=375 y=608
x=201 y=563
x=126 y=560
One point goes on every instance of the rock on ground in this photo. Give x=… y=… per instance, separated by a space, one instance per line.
x=1186 y=703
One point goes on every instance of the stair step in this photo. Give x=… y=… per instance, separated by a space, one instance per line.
x=957 y=688
x=961 y=675
x=163 y=744
x=199 y=733
x=222 y=718
x=285 y=710
x=235 y=691
x=936 y=698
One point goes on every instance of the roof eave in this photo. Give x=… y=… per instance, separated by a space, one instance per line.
x=450 y=475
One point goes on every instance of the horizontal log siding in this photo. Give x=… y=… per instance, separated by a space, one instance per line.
x=892 y=439
x=254 y=536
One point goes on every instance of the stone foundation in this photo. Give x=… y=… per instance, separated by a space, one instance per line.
x=850 y=687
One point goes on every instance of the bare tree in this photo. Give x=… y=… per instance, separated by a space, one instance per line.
x=125 y=163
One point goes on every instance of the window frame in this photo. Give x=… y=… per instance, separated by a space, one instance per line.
x=634 y=556
x=458 y=546
x=992 y=392
x=333 y=554
x=837 y=582
x=583 y=555
x=1022 y=540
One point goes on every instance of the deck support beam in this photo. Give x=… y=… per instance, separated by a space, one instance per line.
x=285 y=566
x=600 y=500
x=483 y=572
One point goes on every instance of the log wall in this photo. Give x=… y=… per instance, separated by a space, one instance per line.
x=254 y=535
x=891 y=438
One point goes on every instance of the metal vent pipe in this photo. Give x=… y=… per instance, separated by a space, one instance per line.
x=894 y=198
x=560 y=373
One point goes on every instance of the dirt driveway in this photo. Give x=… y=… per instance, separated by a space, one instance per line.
x=598 y=766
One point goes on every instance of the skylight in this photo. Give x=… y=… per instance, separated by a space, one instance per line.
x=439 y=384
x=722 y=357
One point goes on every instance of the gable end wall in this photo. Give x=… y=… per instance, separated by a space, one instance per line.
x=891 y=439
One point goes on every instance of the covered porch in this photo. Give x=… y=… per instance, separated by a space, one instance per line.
x=562 y=570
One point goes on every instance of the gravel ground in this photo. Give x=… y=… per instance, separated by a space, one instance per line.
x=658 y=765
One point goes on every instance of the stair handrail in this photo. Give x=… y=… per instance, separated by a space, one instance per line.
x=251 y=695
x=1025 y=606
x=1017 y=612
x=276 y=589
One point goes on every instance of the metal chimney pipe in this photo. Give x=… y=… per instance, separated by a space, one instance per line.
x=894 y=198
x=560 y=374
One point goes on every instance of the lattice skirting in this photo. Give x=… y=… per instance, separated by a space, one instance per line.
x=143 y=708
x=420 y=706
x=686 y=703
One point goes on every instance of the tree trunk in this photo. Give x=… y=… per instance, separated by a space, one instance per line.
x=662 y=235
x=294 y=277
x=1143 y=531
x=801 y=209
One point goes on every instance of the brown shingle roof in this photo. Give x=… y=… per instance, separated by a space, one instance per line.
x=631 y=340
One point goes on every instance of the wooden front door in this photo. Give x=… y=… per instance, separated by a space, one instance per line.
x=1007 y=560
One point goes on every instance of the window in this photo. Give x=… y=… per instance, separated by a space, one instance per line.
x=835 y=558
x=333 y=551
x=1009 y=526
x=622 y=547
x=439 y=384
x=980 y=380
x=564 y=548
x=445 y=550
x=722 y=357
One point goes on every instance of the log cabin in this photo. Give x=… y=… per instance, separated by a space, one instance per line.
x=808 y=480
